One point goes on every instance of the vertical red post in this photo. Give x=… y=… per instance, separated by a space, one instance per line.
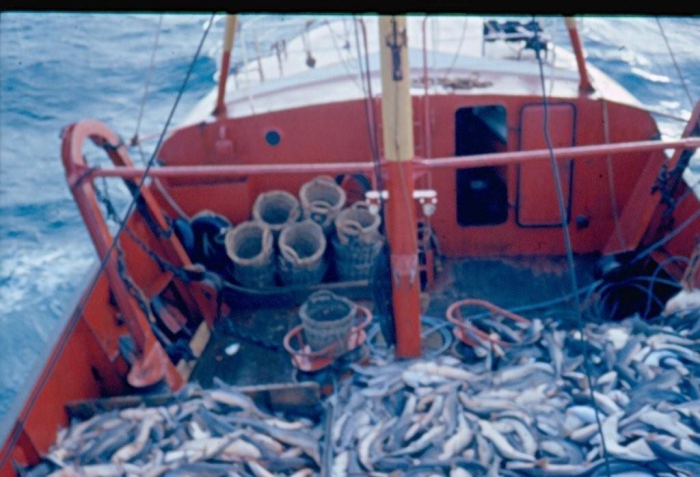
x=231 y=25
x=397 y=119
x=585 y=85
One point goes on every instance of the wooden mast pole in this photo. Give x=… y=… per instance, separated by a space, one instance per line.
x=397 y=121
x=230 y=32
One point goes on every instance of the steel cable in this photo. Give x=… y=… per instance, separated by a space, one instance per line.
x=570 y=258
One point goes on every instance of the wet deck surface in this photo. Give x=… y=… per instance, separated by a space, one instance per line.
x=507 y=283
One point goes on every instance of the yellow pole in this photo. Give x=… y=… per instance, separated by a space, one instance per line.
x=397 y=120
x=397 y=112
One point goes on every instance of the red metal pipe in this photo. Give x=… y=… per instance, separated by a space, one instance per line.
x=503 y=158
x=585 y=85
x=479 y=160
x=235 y=170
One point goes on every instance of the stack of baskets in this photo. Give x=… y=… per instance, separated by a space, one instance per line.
x=286 y=241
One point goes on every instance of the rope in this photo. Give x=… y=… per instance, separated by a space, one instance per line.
x=135 y=139
x=570 y=259
x=675 y=64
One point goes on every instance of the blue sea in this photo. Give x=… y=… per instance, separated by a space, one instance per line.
x=57 y=68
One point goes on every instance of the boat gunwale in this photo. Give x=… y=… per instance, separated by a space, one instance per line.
x=13 y=420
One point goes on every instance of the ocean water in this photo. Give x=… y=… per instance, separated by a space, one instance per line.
x=57 y=68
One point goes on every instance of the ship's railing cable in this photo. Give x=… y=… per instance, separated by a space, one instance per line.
x=63 y=341
x=675 y=64
x=570 y=257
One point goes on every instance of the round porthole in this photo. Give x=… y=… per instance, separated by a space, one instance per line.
x=273 y=137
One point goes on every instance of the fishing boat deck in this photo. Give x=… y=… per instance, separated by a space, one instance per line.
x=264 y=320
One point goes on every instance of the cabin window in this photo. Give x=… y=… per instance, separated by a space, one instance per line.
x=482 y=194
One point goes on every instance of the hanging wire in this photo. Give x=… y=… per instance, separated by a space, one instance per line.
x=343 y=61
x=93 y=283
x=667 y=237
x=135 y=139
x=659 y=267
x=370 y=117
x=459 y=48
x=675 y=64
x=611 y=179
x=570 y=258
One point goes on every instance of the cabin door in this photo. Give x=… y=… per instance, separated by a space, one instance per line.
x=537 y=204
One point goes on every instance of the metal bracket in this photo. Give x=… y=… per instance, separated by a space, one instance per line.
x=404 y=266
x=426 y=197
x=396 y=41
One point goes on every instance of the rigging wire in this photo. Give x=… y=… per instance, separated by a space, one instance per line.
x=570 y=257
x=73 y=322
x=135 y=139
x=611 y=179
x=459 y=48
x=675 y=64
x=666 y=238
x=343 y=61
x=370 y=116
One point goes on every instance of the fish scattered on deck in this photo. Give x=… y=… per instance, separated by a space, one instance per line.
x=520 y=409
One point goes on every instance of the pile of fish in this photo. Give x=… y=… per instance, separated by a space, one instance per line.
x=219 y=432
x=519 y=407
x=525 y=408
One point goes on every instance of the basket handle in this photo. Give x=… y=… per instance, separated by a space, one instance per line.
x=361 y=206
x=325 y=179
x=320 y=206
x=287 y=250
x=351 y=227
x=322 y=294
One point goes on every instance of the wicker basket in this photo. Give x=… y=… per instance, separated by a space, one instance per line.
x=327 y=318
x=276 y=209
x=357 y=242
x=302 y=247
x=321 y=201
x=250 y=248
